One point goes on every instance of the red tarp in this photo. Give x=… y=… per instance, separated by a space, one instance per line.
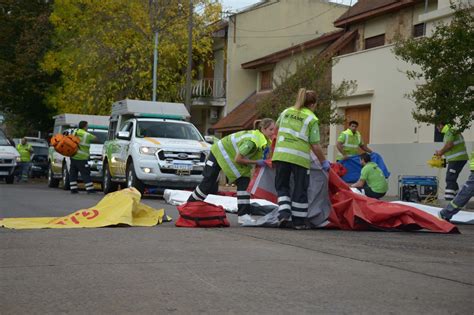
x=352 y=211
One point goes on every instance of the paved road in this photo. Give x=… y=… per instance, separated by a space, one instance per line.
x=236 y=270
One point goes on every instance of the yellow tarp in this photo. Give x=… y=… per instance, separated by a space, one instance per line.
x=121 y=207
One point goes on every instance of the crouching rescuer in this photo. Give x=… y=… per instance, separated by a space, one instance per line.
x=298 y=135
x=79 y=161
x=235 y=155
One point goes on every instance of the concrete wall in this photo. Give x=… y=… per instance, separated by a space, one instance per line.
x=267 y=29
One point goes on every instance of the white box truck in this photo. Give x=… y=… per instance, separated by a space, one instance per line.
x=151 y=143
x=59 y=165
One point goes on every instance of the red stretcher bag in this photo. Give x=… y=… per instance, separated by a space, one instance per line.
x=201 y=214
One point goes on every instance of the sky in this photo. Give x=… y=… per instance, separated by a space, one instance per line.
x=233 y=5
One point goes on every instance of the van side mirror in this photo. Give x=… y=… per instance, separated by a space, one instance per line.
x=209 y=139
x=124 y=135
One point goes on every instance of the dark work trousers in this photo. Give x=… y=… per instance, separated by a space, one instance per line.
x=372 y=194
x=80 y=166
x=461 y=199
x=452 y=174
x=210 y=185
x=297 y=203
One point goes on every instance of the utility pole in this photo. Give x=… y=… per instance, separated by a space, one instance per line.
x=190 y=57
x=155 y=65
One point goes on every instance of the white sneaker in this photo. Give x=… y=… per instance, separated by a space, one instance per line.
x=246 y=218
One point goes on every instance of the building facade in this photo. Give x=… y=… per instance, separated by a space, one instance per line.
x=379 y=103
x=261 y=30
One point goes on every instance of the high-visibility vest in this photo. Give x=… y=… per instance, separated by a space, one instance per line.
x=84 y=146
x=226 y=149
x=24 y=150
x=292 y=144
x=458 y=152
x=351 y=143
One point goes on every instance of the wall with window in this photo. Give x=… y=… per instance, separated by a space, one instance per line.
x=271 y=27
x=381 y=83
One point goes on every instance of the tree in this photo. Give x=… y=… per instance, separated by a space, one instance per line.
x=104 y=50
x=313 y=74
x=446 y=62
x=25 y=36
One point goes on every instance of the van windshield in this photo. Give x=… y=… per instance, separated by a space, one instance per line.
x=3 y=139
x=101 y=136
x=153 y=129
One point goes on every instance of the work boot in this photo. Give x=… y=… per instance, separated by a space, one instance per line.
x=284 y=216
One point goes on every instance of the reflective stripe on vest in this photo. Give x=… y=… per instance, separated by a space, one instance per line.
x=472 y=161
x=349 y=145
x=459 y=147
x=228 y=160
x=292 y=144
x=226 y=149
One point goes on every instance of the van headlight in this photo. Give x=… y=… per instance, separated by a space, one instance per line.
x=18 y=159
x=148 y=150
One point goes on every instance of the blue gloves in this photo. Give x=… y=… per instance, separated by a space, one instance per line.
x=261 y=163
x=326 y=165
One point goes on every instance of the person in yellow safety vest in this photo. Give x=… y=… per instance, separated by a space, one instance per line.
x=455 y=152
x=462 y=198
x=298 y=135
x=79 y=161
x=25 y=150
x=235 y=155
x=349 y=142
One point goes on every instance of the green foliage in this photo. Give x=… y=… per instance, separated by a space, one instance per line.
x=312 y=74
x=25 y=34
x=446 y=62
x=104 y=50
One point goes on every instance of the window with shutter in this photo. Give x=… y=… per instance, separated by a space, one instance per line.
x=375 y=41
x=266 y=80
x=419 y=30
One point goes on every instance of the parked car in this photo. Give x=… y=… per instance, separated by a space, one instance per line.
x=9 y=158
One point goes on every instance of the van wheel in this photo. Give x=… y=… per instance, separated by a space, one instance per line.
x=10 y=179
x=52 y=182
x=108 y=185
x=132 y=180
x=66 y=184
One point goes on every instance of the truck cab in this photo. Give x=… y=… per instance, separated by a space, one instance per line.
x=59 y=165
x=151 y=143
x=9 y=158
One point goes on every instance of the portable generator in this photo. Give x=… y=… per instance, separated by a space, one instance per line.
x=417 y=188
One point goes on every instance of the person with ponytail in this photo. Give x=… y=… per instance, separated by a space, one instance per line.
x=235 y=155
x=298 y=135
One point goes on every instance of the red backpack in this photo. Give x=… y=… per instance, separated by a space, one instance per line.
x=201 y=214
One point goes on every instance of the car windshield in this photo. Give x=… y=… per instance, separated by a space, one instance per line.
x=167 y=129
x=40 y=150
x=101 y=136
x=3 y=139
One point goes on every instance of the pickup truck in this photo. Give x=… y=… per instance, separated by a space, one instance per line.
x=151 y=144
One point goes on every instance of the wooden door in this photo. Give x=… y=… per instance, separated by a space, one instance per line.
x=361 y=114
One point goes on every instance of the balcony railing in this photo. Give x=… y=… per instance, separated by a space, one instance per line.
x=206 y=88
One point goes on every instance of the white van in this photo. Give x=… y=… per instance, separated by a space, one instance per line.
x=59 y=165
x=151 y=143
x=9 y=157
